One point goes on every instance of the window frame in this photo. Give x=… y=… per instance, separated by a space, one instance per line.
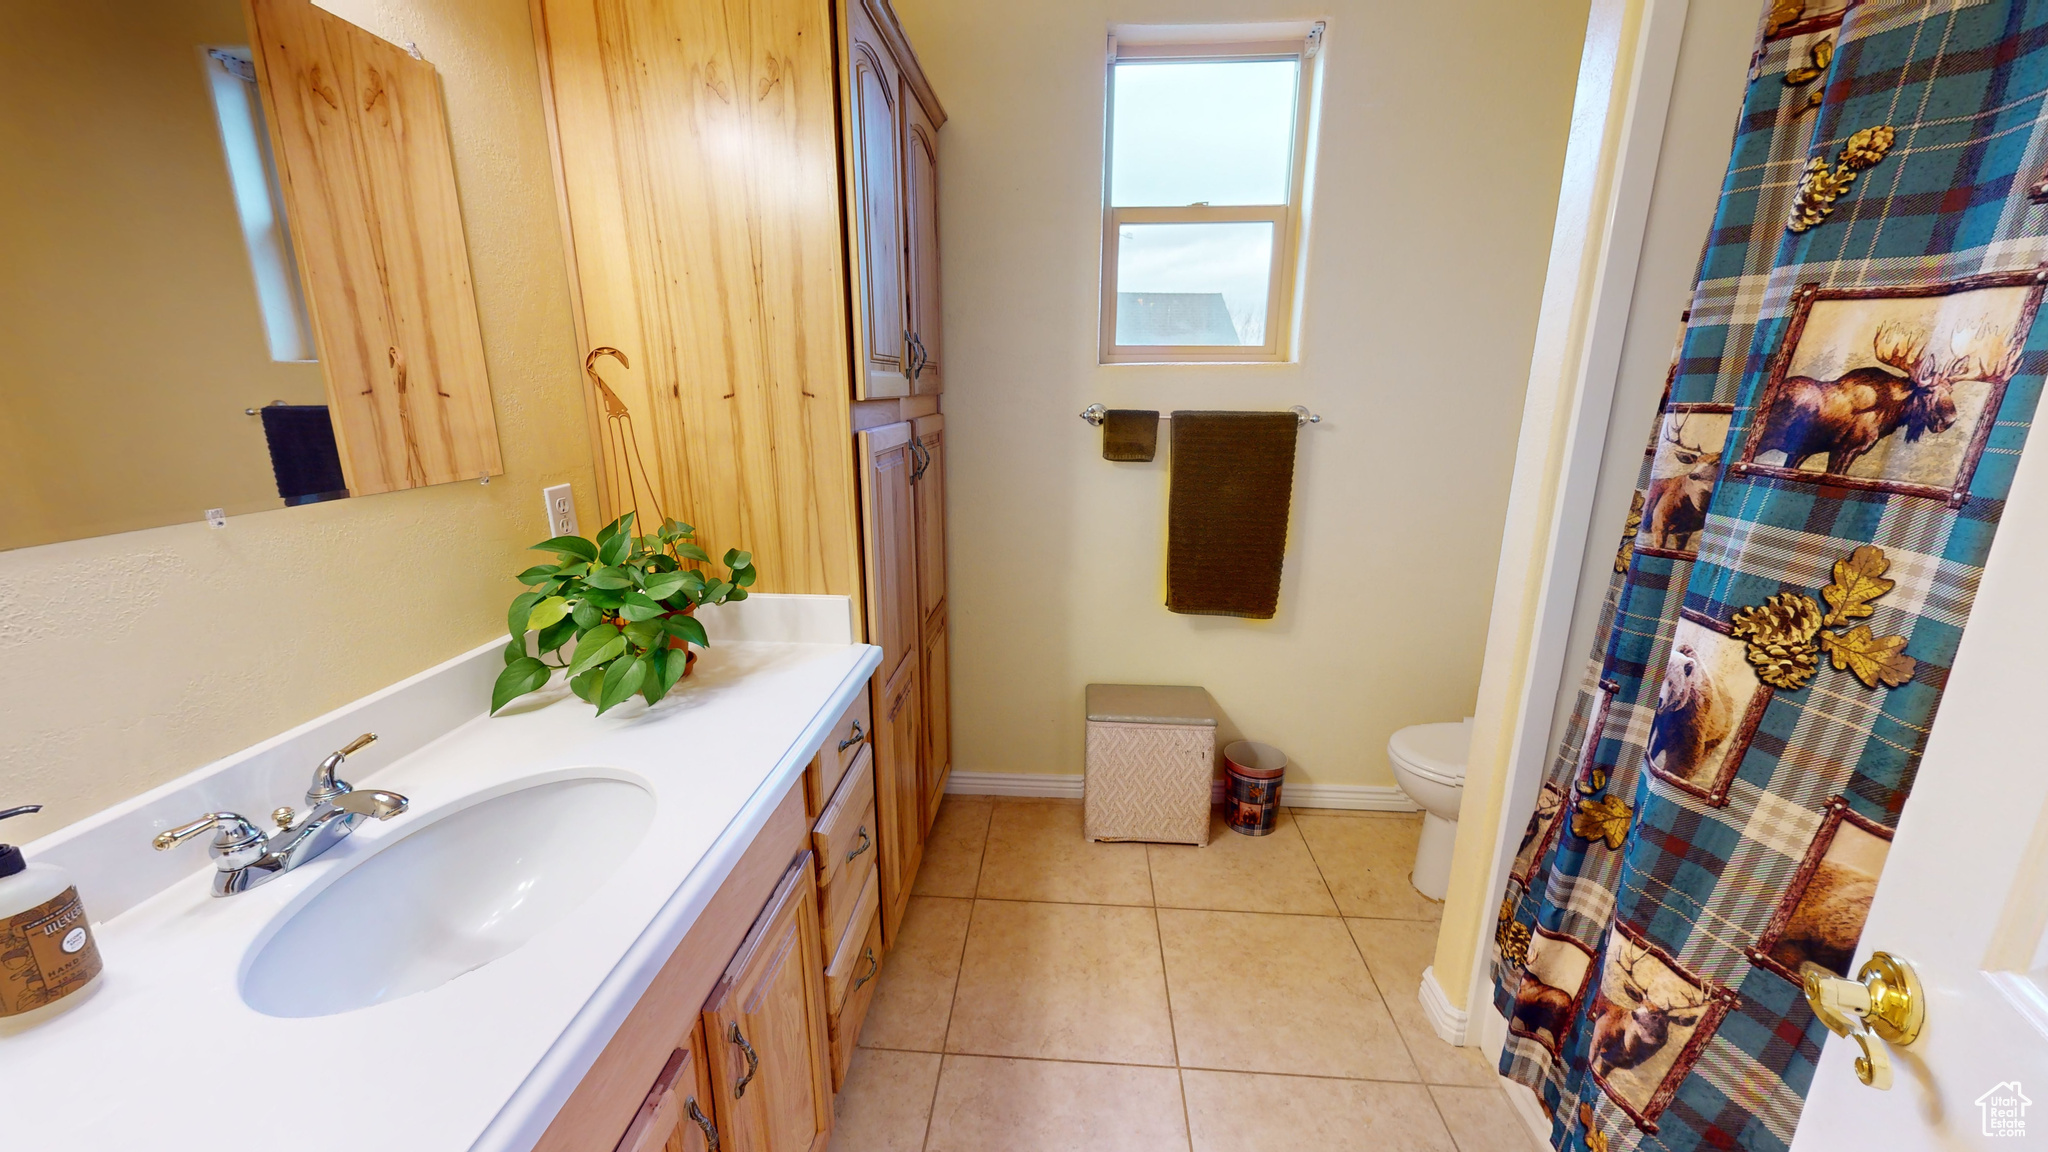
x=1289 y=220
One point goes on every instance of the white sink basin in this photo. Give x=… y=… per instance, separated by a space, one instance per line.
x=450 y=896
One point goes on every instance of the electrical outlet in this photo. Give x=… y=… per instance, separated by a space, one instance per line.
x=561 y=506
x=216 y=517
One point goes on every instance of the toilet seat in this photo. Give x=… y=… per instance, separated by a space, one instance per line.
x=1434 y=751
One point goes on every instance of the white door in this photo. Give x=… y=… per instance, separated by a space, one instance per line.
x=1964 y=897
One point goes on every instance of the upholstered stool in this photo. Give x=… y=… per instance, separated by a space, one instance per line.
x=1151 y=761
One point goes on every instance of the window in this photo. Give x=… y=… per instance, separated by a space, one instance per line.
x=259 y=201
x=1203 y=192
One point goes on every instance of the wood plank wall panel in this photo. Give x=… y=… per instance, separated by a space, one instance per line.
x=361 y=136
x=697 y=146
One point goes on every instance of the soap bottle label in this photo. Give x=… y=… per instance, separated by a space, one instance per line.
x=46 y=953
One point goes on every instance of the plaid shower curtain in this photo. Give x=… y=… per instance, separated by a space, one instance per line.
x=1853 y=384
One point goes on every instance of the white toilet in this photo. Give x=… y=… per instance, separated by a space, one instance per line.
x=1429 y=764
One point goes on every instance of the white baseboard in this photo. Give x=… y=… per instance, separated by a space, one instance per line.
x=1060 y=785
x=1351 y=797
x=1448 y=1022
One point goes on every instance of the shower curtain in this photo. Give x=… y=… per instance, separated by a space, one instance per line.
x=1852 y=387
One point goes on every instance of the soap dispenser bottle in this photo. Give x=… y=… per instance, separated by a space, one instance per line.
x=46 y=946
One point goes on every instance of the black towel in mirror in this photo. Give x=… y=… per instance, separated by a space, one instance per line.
x=1226 y=531
x=303 y=455
x=1130 y=434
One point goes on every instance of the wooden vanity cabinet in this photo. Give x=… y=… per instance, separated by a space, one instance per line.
x=766 y=1030
x=677 y=1115
x=899 y=800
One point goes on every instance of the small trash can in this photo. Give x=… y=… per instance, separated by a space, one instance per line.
x=1255 y=771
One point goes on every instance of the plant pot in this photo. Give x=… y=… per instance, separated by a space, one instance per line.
x=689 y=662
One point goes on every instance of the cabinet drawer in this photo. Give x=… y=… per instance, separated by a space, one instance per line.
x=836 y=900
x=845 y=832
x=846 y=1021
x=855 y=955
x=842 y=746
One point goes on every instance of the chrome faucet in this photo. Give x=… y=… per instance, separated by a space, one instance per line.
x=244 y=856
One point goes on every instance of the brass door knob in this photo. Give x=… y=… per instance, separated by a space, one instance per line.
x=1882 y=1005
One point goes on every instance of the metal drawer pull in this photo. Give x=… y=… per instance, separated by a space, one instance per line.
x=753 y=1061
x=874 y=966
x=865 y=843
x=853 y=739
x=704 y=1122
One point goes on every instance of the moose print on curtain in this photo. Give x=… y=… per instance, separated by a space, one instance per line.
x=1853 y=385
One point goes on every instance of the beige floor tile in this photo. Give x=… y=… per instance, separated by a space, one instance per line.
x=1482 y=1120
x=915 y=995
x=1397 y=951
x=998 y=1105
x=1245 y=1112
x=1062 y=982
x=885 y=1102
x=1233 y=873
x=1367 y=862
x=1254 y=992
x=1036 y=851
x=952 y=853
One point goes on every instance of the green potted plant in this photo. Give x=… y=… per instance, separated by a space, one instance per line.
x=626 y=601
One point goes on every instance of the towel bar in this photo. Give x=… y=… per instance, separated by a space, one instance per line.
x=1094 y=413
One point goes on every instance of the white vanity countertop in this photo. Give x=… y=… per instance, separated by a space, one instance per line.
x=165 y=1054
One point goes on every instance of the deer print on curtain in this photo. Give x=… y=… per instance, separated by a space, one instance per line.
x=1853 y=385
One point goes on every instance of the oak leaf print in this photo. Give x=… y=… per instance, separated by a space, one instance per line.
x=1605 y=819
x=1873 y=660
x=1859 y=579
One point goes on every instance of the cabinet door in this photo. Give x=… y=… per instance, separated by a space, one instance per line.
x=899 y=793
x=889 y=526
x=678 y=1115
x=765 y=1026
x=937 y=761
x=921 y=237
x=875 y=130
x=929 y=491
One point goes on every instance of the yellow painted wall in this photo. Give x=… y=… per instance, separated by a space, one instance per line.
x=1442 y=141
x=127 y=305
x=128 y=660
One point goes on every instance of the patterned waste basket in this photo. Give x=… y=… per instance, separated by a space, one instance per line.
x=1151 y=763
x=1255 y=770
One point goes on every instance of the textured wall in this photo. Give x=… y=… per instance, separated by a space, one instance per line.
x=1442 y=141
x=127 y=660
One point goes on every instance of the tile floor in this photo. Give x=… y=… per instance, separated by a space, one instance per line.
x=1260 y=993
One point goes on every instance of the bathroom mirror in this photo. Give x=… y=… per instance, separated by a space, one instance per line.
x=195 y=280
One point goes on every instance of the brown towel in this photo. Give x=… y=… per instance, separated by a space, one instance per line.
x=1129 y=434
x=1226 y=532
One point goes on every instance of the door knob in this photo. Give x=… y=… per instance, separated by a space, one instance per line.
x=1882 y=1005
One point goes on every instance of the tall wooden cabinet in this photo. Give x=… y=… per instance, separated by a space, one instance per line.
x=749 y=193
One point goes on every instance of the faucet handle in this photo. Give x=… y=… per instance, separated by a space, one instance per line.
x=234 y=831
x=325 y=787
x=236 y=842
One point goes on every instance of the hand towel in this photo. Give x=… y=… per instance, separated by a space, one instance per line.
x=1226 y=534
x=1129 y=434
x=303 y=456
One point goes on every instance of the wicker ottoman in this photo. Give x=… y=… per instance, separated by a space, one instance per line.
x=1151 y=761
